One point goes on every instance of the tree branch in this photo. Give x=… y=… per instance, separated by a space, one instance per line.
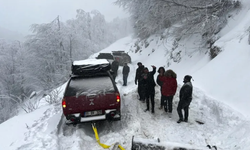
x=210 y=6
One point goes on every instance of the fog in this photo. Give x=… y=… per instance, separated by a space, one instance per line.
x=17 y=16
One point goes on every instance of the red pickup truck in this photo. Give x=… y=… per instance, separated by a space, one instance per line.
x=91 y=93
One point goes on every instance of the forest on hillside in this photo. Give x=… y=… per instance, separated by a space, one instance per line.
x=43 y=61
x=178 y=20
x=188 y=16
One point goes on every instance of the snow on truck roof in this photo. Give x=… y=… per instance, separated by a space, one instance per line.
x=91 y=61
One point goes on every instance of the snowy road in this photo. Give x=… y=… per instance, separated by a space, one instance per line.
x=219 y=128
x=223 y=127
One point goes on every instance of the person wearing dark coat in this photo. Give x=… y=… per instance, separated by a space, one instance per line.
x=125 y=72
x=114 y=68
x=185 y=99
x=161 y=71
x=138 y=76
x=169 y=88
x=148 y=87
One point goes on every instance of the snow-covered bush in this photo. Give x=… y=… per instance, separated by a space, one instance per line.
x=7 y=111
x=249 y=38
x=137 y=46
x=249 y=35
x=53 y=97
x=30 y=105
x=214 y=51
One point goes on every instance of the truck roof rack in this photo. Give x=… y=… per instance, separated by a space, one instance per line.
x=90 y=67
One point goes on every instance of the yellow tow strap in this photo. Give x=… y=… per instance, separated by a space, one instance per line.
x=98 y=140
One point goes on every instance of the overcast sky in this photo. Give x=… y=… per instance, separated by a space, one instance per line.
x=18 y=15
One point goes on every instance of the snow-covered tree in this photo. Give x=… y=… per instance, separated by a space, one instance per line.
x=44 y=60
x=47 y=62
x=53 y=46
x=12 y=77
x=191 y=16
x=89 y=33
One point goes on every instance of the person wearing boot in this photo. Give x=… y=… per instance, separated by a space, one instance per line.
x=161 y=72
x=185 y=99
x=125 y=72
x=148 y=83
x=169 y=87
x=138 y=78
x=114 y=68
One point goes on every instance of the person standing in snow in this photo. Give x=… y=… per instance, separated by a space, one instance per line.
x=169 y=87
x=125 y=72
x=138 y=76
x=148 y=87
x=114 y=68
x=185 y=99
x=161 y=71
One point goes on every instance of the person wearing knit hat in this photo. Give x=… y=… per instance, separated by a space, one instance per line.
x=125 y=72
x=161 y=72
x=138 y=76
x=185 y=99
x=168 y=90
x=148 y=88
x=187 y=78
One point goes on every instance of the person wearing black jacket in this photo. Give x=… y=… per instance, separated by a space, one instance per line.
x=138 y=76
x=125 y=72
x=148 y=87
x=114 y=68
x=185 y=99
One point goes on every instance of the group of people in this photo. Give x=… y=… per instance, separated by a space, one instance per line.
x=168 y=86
x=166 y=79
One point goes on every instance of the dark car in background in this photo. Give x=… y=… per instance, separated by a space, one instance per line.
x=107 y=56
x=121 y=57
x=91 y=93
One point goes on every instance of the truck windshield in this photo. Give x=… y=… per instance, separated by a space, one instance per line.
x=88 y=86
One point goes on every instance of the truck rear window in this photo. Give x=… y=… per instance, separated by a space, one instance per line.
x=89 y=86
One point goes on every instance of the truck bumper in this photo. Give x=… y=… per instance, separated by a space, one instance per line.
x=111 y=115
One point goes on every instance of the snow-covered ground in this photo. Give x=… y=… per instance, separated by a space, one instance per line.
x=220 y=99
